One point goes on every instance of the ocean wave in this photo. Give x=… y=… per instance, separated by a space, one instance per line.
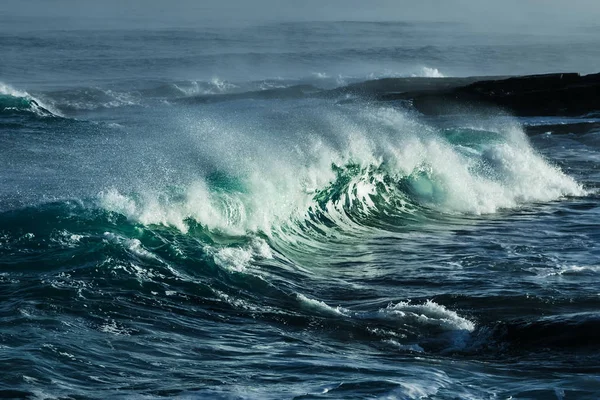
x=408 y=326
x=92 y=98
x=371 y=169
x=13 y=101
x=249 y=276
x=283 y=92
x=321 y=307
x=240 y=258
x=428 y=72
x=127 y=94
x=167 y=90
x=421 y=72
x=244 y=230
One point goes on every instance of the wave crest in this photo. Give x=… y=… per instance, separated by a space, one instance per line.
x=13 y=101
x=367 y=167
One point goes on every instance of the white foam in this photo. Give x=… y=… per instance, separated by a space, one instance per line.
x=221 y=86
x=189 y=89
x=428 y=313
x=421 y=72
x=119 y=99
x=112 y=327
x=261 y=249
x=278 y=177
x=215 y=86
x=239 y=259
x=428 y=72
x=10 y=91
x=98 y=98
x=241 y=304
x=571 y=270
x=320 y=75
x=233 y=258
x=66 y=281
x=147 y=210
x=320 y=306
x=66 y=238
x=502 y=174
x=412 y=388
x=133 y=245
x=405 y=347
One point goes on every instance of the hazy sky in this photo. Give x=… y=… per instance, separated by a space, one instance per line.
x=543 y=14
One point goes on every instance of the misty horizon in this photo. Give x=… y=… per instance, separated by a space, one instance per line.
x=529 y=16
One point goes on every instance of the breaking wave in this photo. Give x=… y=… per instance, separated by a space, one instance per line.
x=80 y=99
x=13 y=101
x=367 y=168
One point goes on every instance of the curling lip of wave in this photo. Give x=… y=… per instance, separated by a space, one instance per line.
x=407 y=167
x=12 y=100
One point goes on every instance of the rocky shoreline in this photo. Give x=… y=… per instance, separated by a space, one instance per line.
x=560 y=94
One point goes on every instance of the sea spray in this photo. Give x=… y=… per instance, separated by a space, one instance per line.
x=13 y=100
x=344 y=164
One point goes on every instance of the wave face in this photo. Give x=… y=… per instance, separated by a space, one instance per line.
x=13 y=101
x=277 y=232
x=346 y=168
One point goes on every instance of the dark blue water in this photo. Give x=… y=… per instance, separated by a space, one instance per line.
x=184 y=214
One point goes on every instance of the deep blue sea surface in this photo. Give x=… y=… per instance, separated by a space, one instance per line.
x=183 y=215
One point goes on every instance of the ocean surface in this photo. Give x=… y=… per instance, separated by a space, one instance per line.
x=184 y=213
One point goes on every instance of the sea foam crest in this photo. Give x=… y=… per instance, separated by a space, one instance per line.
x=27 y=101
x=428 y=313
x=424 y=321
x=321 y=307
x=214 y=86
x=421 y=72
x=238 y=259
x=363 y=160
x=427 y=72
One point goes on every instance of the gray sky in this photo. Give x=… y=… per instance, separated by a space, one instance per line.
x=537 y=14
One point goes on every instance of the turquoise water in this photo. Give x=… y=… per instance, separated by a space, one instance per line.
x=178 y=218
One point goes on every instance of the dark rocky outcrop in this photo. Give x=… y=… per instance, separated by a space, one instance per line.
x=564 y=94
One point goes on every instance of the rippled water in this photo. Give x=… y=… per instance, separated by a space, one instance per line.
x=178 y=221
